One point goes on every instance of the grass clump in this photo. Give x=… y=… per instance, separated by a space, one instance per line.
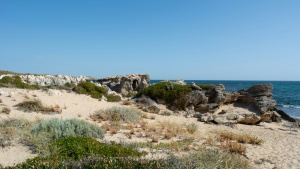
x=208 y=158
x=118 y=114
x=169 y=92
x=240 y=138
x=90 y=89
x=6 y=110
x=113 y=98
x=192 y=128
x=68 y=128
x=233 y=147
x=37 y=106
x=10 y=129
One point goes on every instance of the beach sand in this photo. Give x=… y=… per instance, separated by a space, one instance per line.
x=280 y=148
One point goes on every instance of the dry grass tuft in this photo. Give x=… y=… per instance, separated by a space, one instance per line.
x=37 y=106
x=117 y=114
x=233 y=147
x=240 y=138
x=127 y=102
x=6 y=110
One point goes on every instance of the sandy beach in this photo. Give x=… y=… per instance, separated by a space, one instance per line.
x=280 y=148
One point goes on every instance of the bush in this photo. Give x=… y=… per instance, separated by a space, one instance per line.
x=113 y=98
x=90 y=89
x=207 y=158
x=37 y=106
x=16 y=81
x=92 y=162
x=167 y=91
x=206 y=86
x=78 y=147
x=118 y=114
x=68 y=128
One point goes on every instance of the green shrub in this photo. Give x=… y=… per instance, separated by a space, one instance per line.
x=113 y=98
x=80 y=90
x=6 y=80
x=77 y=147
x=118 y=114
x=68 y=128
x=16 y=81
x=96 y=95
x=206 y=86
x=91 y=162
x=168 y=92
x=90 y=89
x=206 y=158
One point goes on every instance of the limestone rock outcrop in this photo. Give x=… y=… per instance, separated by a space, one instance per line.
x=52 y=80
x=125 y=84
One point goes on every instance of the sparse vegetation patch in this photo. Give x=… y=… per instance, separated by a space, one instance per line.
x=118 y=114
x=37 y=106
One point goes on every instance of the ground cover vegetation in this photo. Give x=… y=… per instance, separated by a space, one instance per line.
x=169 y=92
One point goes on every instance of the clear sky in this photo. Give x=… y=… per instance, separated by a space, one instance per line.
x=169 y=39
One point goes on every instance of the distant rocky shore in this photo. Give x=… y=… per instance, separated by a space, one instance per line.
x=203 y=104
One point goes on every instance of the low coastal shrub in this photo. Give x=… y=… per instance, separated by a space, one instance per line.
x=205 y=86
x=37 y=106
x=78 y=147
x=206 y=158
x=16 y=81
x=113 y=98
x=68 y=128
x=117 y=114
x=168 y=92
x=90 y=89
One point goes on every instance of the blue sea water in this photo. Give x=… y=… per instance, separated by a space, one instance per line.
x=286 y=93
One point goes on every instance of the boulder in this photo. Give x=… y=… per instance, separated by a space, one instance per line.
x=126 y=84
x=260 y=96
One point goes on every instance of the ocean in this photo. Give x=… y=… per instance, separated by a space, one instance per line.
x=286 y=93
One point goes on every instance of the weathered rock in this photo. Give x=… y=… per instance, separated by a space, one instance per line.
x=195 y=87
x=126 y=84
x=196 y=98
x=260 y=96
x=146 y=101
x=52 y=80
x=284 y=116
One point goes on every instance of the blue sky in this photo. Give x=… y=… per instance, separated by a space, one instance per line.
x=169 y=39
